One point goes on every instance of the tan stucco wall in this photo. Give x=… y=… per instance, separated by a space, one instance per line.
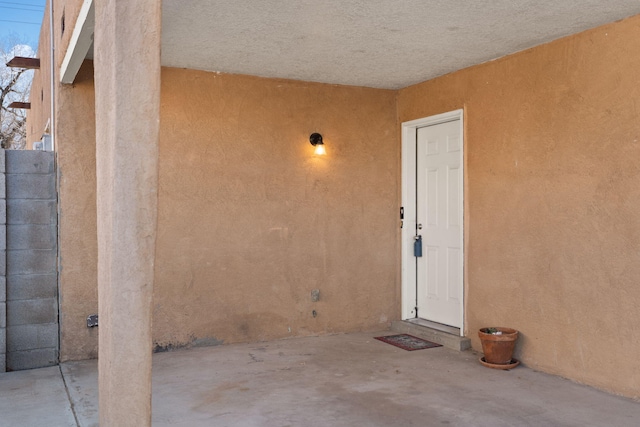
x=76 y=153
x=40 y=97
x=250 y=222
x=553 y=194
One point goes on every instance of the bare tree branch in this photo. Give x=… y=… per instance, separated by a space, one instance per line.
x=15 y=85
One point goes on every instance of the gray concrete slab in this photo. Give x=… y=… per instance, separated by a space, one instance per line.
x=352 y=380
x=82 y=384
x=34 y=398
x=340 y=380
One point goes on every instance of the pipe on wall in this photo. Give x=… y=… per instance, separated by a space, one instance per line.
x=53 y=74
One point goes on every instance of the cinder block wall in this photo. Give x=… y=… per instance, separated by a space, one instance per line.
x=31 y=260
x=3 y=269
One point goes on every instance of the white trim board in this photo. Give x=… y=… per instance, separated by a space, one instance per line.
x=408 y=272
x=80 y=43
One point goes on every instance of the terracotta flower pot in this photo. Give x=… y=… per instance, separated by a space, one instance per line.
x=498 y=349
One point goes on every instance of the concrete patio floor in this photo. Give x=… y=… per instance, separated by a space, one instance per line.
x=339 y=380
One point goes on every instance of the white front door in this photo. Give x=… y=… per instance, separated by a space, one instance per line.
x=439 y=219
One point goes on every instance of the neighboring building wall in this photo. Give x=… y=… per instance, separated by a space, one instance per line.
x=31 y=255
x=40 y=93
x=552 y=200
x=40 y=96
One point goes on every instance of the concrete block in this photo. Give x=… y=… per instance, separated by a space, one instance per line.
x=30 y=236
x=23 y=186
x=31 y=359
x=3 y=362
x=3 y=186
x=32 y=311
x=32 y=337
x=31 y=286
x=3 y=211
x=451 y=341
x=29 y=161
x=21 y=211
x=31 y=261
x=3 y=288
x=3 y=340
x=3 y=315
x=3 y=263
x=3 y=167
x=3 y=237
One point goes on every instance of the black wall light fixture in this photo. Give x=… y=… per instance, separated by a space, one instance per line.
x=316 y=141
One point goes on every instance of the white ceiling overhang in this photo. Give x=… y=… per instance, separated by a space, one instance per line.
x=374 y=43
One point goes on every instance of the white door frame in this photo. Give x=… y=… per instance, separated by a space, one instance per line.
x=409 y=131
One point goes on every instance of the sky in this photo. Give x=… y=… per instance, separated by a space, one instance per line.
x=21 y=20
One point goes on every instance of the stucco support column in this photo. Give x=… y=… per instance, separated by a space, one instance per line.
x=127 y=81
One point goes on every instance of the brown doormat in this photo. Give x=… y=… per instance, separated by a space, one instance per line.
x=408 y=342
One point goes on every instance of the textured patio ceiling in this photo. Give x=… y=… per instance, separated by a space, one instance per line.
x=374 y=43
